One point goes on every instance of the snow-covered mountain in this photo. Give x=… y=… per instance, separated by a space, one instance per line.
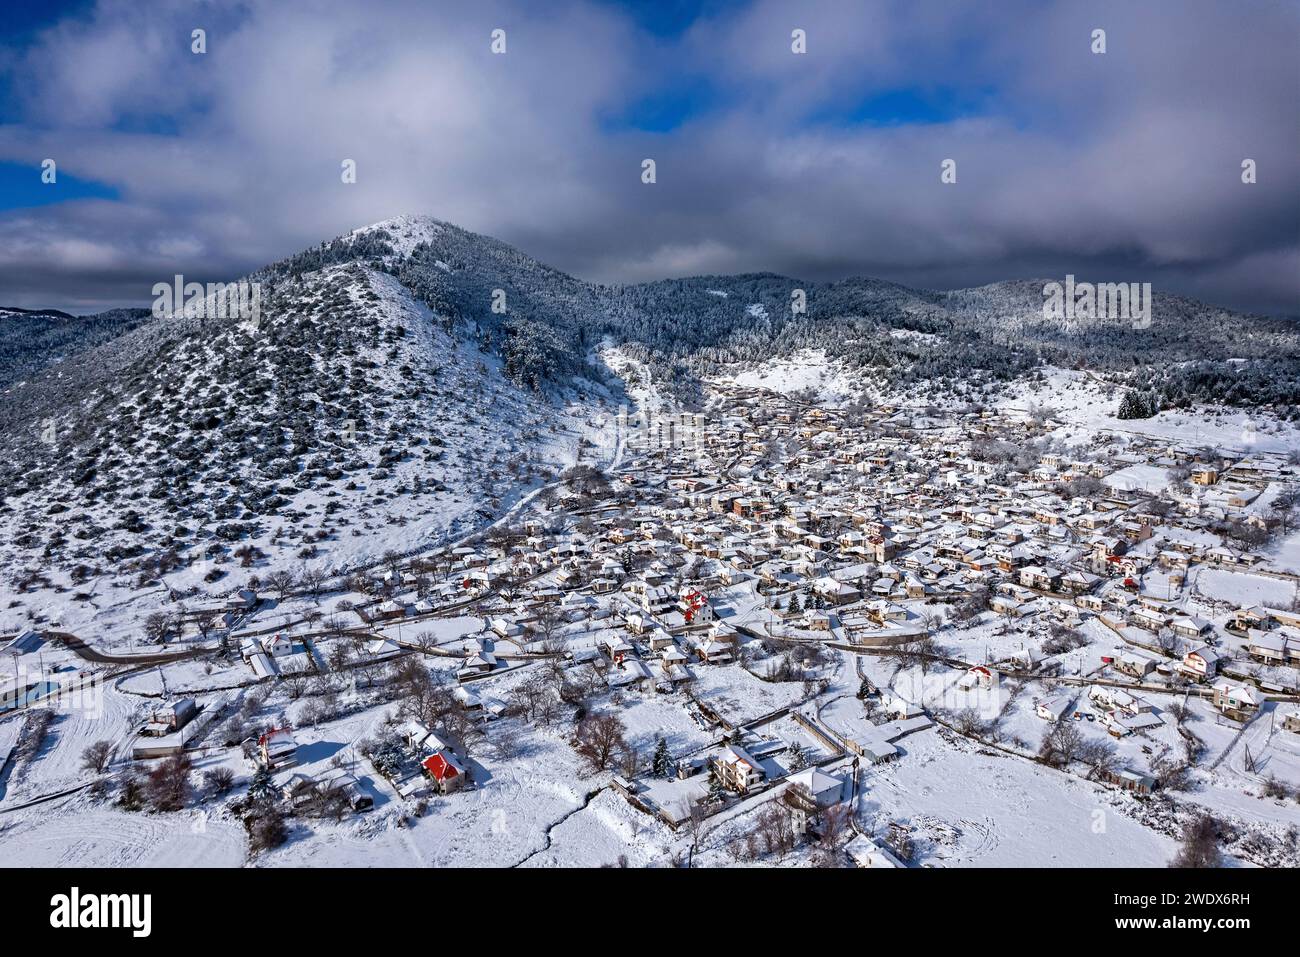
x=32 y=339
x=350 y=421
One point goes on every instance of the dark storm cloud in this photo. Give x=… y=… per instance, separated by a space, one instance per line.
x=1117 y=166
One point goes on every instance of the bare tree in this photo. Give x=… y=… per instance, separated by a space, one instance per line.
x=281 y=581
x=313 y=580
x=506 y=741
x=549 y=622
x=1200 y=847
x=775 y=830
x=168 y=785
x=699 y=814
x=156 y=626
x=97 y=757
x=598 y=739
x=339 y=656
x=1098 y=755
x=266 y=827
x=295 y=678
x=423 y=698
x=1061 y=744
x=968 y=721
x=900 y=842
x=834 y=824
x=460 y=726
x=1170 y=773
x=219 y=780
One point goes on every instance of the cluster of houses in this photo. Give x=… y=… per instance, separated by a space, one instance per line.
x=848 y=525
x=843 y=527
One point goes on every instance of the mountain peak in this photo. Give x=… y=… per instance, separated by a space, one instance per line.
x=406 y=232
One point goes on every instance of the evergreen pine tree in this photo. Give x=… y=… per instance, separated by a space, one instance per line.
x=717 y=791
x=1138 y=405
x=662 y=760
x=798 y=757
x=262 y=787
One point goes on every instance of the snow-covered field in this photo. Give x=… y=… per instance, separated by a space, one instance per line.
x=808 y=371
x=1088 y=405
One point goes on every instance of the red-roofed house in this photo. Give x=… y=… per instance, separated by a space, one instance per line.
x=277 y=749
x=445 y=770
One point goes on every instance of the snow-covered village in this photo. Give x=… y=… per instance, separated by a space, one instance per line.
x=771 y=632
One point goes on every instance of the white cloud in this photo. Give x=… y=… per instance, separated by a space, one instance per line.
x=1131 y=158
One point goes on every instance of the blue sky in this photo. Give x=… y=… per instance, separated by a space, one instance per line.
x=22 y=17
x=21 y=185
x=1123 y=166
x=671 y=18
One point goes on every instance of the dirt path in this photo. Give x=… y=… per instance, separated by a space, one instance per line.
x=83 y=650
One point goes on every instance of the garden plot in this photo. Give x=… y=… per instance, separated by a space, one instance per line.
x=674 y=796
x=972 y=806
x=56 y=766
x=650 y=717
x=790 y=731
x=739 y=696
x=993 y=637
x=501 y=821
x=190 y=678
x=1243 y=589
x=446 y=633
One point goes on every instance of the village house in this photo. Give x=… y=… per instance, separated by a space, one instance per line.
x=1273 y=647
x=170 y=717
x=836 y=592
x=1291 y=719
x=737 y=769
x=1151 y=619
x=1200 y=664
x=1044 y=578
x=1191 y=626
x=445 y=770
x=1236 y=701
x=867 y=852
x=1129 y=780
x=715 y=651
x=477 y=663
x=1052 y=708
x=976 y=677
x=1134 y=665
x=823 y=791
x=277 y=749
x=1078 y=582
